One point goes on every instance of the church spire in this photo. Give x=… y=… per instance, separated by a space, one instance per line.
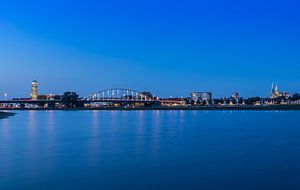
x=273 y=88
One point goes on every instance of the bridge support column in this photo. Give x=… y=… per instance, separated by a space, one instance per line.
x=22 y=105
x=51 y=105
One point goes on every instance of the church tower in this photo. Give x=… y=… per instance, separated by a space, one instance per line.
x=273 y=91
x=34 y=90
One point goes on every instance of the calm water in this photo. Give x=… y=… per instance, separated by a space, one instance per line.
x=150 y=150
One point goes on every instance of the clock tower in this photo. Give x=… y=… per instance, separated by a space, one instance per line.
x=34 y=90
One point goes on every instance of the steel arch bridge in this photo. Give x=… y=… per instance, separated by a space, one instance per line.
x=118 y=94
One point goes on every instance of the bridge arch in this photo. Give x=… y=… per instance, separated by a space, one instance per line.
x=119 y=94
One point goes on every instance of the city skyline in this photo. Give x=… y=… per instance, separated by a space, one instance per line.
x=122 y=98
x=219 y=46
x=275 y=92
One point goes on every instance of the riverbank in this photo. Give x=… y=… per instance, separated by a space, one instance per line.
x=204 y=108
x=6 y=114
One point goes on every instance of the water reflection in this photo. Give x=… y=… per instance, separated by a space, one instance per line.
x=142 y=149
x=5 y=148
x=94 y=147
x=4 y=127
x=156 y=126
x=51 y=122
x=95 y=121
x=138 y=138
x=32 y=123
x=31 y=145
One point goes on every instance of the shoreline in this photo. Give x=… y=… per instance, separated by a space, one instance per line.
x=179 y=108
x=4 y=115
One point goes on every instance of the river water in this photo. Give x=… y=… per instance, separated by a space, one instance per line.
x=41 y=150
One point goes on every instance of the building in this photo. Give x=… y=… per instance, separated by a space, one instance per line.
x=235 y=96
x=200 y=97
x=36 y=96
x=275 y=93
x=172 y=102
x=34 y=90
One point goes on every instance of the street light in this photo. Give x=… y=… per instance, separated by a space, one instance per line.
x=5 y=96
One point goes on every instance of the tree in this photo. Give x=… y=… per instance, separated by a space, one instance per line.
x=227 y=101
x=70 y=100
x=240 y=101
x=296 y=97
x=190 y=101
x=218 y=101
x=57 y=97
x=252 y=100
x=204 y=102
x=234 y=102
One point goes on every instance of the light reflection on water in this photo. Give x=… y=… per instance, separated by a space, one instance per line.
x=150 y=150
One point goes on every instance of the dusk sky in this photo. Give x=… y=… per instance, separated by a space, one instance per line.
x=163 y=46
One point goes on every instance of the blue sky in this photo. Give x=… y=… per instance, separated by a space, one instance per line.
x=167 y=47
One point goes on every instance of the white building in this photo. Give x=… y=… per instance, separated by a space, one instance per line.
x=202 y=96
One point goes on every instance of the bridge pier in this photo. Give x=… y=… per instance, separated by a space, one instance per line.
x=51 y=105
x=22 y=105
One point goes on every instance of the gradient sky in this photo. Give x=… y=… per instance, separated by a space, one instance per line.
x=164 y=46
